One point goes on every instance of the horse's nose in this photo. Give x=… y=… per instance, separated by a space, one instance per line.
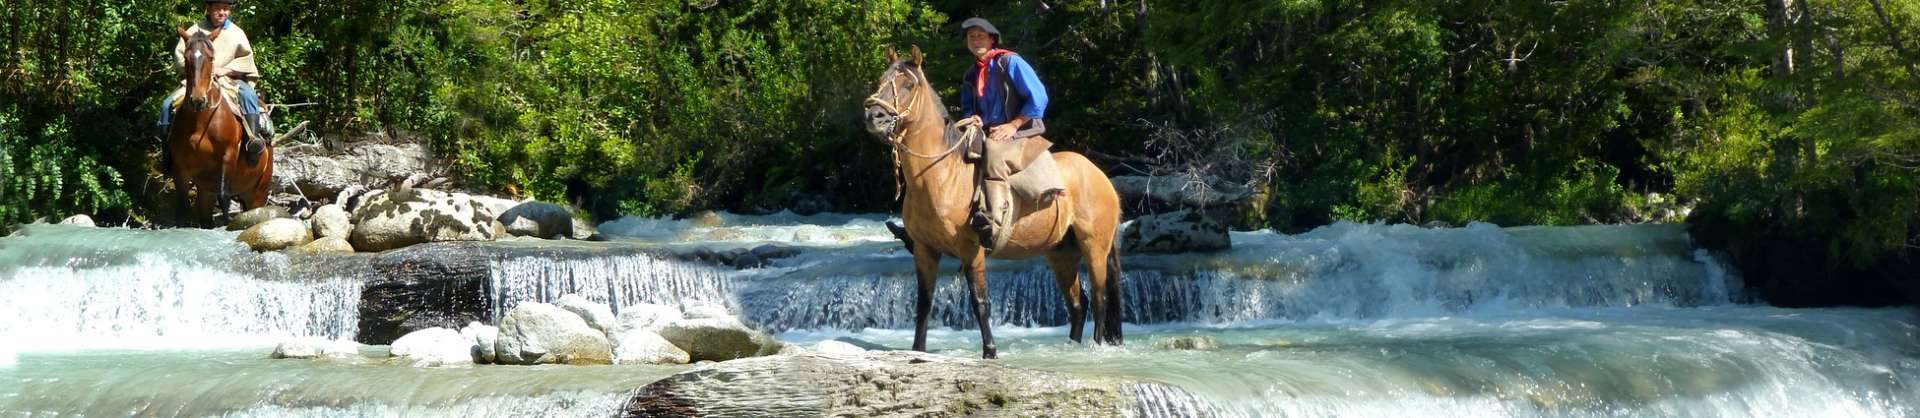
x=878 y=120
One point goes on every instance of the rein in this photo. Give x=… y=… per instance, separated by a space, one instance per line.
x=897 y=137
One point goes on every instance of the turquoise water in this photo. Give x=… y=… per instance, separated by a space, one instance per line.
x=1346 y=320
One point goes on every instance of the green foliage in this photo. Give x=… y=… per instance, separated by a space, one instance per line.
x=1560 y=112
x=50 y=179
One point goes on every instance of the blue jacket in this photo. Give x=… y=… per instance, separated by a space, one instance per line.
x=995 y=107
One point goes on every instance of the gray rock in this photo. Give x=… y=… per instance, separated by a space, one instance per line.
x=81 y=220
x=322 y=175
x=328 y=245
x=1186 y=342
x=647 y=316
x=402 y=217
x=837 y=347
x=1180 y=231
x=331 y=221
x=495 y=206
x=538 y=333
x=585 y=230
x=700 y=309
x=640 y=346
x=718 y=339
x=484 y=338
x=1163 y=193
x=905 y=384
x=276 y=235
x=257 y=216
x=598 y=315
x=435 y=347
x=539 y=220
x=315 y=347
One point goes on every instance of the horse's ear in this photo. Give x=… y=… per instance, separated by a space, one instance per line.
x=917 y=59
x=892 y=57
x=183 y=34
x=215 y=34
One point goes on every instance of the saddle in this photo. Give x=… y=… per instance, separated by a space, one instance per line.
x=254 y=142
x=1026 y=174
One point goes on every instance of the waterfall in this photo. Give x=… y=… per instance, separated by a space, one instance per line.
x=73 y=287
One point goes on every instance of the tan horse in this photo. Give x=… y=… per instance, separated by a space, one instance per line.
x=939 y=187
x=204 y=146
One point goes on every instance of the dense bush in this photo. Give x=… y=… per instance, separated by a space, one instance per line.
x=1782 y=120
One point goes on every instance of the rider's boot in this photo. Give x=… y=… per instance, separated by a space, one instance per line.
x=994 y=221
x=900 y=231
x=257 y=135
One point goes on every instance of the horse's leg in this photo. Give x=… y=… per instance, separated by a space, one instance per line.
x=1115 y=284
x=1066 y=272
x=1105 y=322
x=181 y=212
x=977 y=285
x=926 y=265
x=203 y=200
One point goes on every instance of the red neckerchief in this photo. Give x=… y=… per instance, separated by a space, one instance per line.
x=980 y=82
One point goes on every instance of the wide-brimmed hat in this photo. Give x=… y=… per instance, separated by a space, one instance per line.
x=982 y=24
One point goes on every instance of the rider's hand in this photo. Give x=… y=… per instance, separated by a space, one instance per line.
x=1003 y=132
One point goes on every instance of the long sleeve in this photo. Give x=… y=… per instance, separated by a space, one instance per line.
x=1027 y=82
x=242 y=52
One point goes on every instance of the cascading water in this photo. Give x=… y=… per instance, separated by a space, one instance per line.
x=79 y=287
x=1346 y=320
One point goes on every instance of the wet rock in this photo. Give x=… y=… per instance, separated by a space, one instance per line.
x=257 y=216
x=538 y=333
x=448 y=284
x=435 y=347
x=648 y=316
x=1186 y=342
x=484 y=338
x=81 y=220
x=425 y=286
x=641 y=346
x=331 y=221
x=896 y=384
x=328 y=245
x=1180 y=231
x=770 y=252
x=809 y=205
x=539 y=220
x=598 y=315
x=718 y=339
x=315 y=347
x=276 y=235
x=402 y=217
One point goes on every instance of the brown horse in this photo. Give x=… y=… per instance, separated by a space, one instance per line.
x=939 y=187
x=204 y=146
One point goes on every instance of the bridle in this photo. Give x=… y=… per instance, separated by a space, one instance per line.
x=896 y=136
x=195 y=64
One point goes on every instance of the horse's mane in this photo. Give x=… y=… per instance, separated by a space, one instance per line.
x=946 y=117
